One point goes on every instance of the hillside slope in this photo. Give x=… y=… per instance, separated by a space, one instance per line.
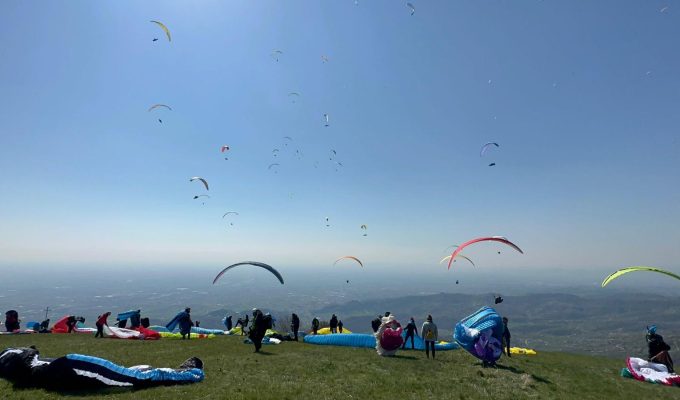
x=296 y=370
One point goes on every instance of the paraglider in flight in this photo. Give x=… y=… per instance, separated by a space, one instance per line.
x=497 y=300
x=275 y=152
x=664 y=9
x=230 y=212
x=456 y=281
x=458 y=256
x=160 y=120
x=349 y=258
x=205 y=183
x=324 y=59
x=201 y=195
x=325 y=117
x=224 y=148
x=275 y=54
x=333 y=153
x=253 y=263
x=327 y=223
x=155 y=40
x=272 y=166
x=155 y=106
x=624 y=271
x=413 y=9
x=293 y=96
x=290 y=139
x=165 y=29
x=500 y=239
x=493 y=164
x=486 y=147
x=364 y=228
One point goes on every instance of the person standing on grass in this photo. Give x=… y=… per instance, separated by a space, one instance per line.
x=340 y=325
x=375 y=324
x=506 y=336
x=315 y=325
x=101 y=321
x=333 y=323
x=411 y=331
x=429 y=332
x=185 y=323
x=295 y=325
x=257 y=329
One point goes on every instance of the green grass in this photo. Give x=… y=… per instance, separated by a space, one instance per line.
x=297 y=370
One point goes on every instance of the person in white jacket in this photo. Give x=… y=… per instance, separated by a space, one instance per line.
x=429 y=332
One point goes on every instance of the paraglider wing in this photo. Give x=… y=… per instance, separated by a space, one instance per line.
x=458 y=256
x=155 y=106
x=253 y=263
x=272 y=165
x=413 y=9
x=624 y=271
x=500 y=239
x=486 y=147
x=165 y=28
x=230 y=212
x=349 y=258
x=224 y=148
x=205 y=183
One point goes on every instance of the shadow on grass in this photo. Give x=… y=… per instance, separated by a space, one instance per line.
x=79 y=393
x=521 y=371
x=405 y=357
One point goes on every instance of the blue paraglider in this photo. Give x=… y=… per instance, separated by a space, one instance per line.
x=481 y=334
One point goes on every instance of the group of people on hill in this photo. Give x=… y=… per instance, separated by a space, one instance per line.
x=334 y=324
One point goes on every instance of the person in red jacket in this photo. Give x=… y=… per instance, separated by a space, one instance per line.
x=101 y=321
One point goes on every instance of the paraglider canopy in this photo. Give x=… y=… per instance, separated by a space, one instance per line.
x=624 y=271
x=205 y=183
x=349 y=258
x=499 y=239
x=486 y=147
x=165 y=29
x=155 y=106
x=253 y=263
x=224 y=148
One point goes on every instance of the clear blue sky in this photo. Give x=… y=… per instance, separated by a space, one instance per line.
x=583 y=98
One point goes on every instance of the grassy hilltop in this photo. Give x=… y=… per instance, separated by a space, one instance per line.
x=297 y=370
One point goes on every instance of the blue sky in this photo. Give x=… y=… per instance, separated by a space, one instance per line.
x=581 y=96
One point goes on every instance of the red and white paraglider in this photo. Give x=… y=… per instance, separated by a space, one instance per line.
x=499 y=239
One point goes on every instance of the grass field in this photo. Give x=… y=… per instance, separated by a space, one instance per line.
x=297 y=370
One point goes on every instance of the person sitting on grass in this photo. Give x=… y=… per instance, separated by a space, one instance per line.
x=658 y=349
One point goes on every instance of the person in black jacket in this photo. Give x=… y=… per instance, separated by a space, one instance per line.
x=315 y=325
x=658 y=349
x=375 y=324
x=11 y=320
x=295 y=325
x=333 y=323
x=257 y=329
x=411 y=331
x=506 y=336
x=340 y=325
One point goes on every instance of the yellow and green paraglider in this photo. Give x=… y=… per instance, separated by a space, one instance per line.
x=165 y=29
x=624 y=271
